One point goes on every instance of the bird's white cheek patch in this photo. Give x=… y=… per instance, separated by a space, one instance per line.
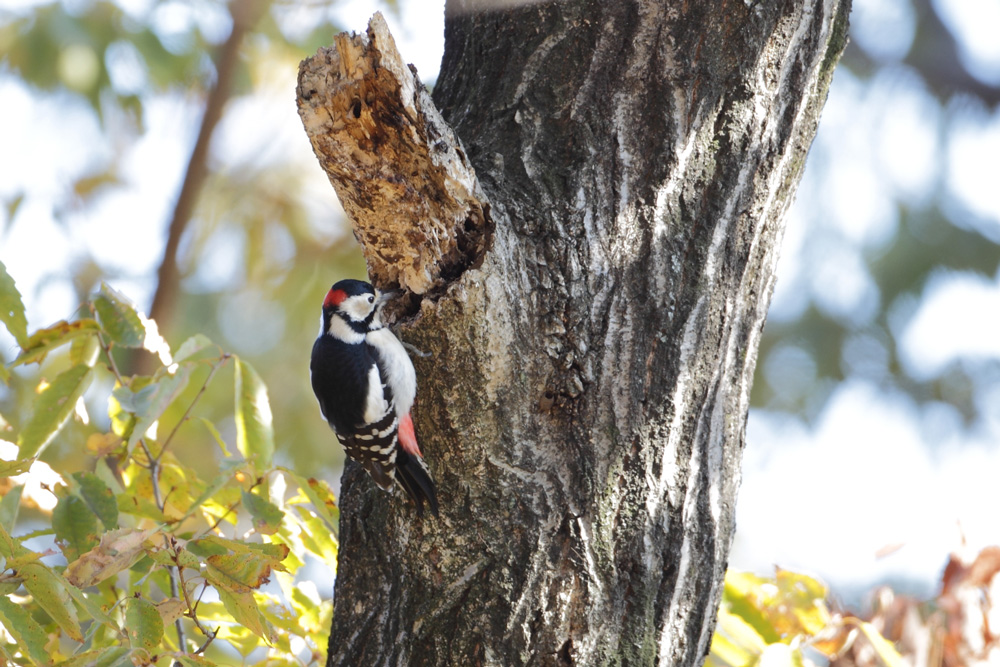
x=375 y=403
x=341 y=330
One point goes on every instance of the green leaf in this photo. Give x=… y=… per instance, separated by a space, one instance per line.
x=317 y=538
x=742 y=633
x=9 y=505
x=88 y=604
x=218 y=438
x=152 y=401
x=10 y=547
x=238 y=572
x=118 y=317
x=266 y=515
x=52 y=408
x=11 y=468
x=99 y=498
x=224 y=477
x=740 y=592
x=196 y=348
x=117 y=551
x=75 y=525
x=189 y=660
x=243 y=607
x=320 y=495
x=143 y=624
x=26 y=632
x=84 y=350
x=254 y=431
x=111 y=656
x=43 y=341
x=48 y=592
x=12 y=308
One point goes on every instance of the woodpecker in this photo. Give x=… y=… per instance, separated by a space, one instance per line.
x=365 y=384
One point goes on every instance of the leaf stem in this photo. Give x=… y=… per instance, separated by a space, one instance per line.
x=187 y=413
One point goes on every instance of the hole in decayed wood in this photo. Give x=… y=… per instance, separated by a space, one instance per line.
x=356 y=108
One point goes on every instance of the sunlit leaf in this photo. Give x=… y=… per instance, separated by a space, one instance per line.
x=266 y=515
x=9 y=505
x=742 y=595
x=723 y=652
x=780 y=655
x=84 y=350
x=224 y=477
x=320 y=495
x=75 y=525
x=143 y=624
x=806 y=597
x=318 y=539
x=43 y=341
x=118 y=317
x=254 y=431
x=170 y=610
x=238 y=572
x=152 y=401
x=12 y=308
x=11 y=468
x=195 y=348
x=109 y=656
x=884 y=649
x=243 y=607
x=52 y=408
x=740 y=632
x=48 y=592
x=190 y=660
x=99 y=498
x=26 y=632
x=117 y=551
x=9 y=547
x=216 y=436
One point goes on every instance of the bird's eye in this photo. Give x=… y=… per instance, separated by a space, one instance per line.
x=371 y=299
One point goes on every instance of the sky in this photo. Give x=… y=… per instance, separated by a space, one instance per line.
x=872 y=474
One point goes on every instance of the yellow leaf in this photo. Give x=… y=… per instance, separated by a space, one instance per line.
x=884 y=649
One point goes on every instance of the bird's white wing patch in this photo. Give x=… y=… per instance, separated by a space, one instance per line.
x=375 y=403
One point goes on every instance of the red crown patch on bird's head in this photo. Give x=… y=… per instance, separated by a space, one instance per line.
x=334 y=298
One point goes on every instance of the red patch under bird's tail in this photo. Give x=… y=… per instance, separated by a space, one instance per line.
x=408 y=437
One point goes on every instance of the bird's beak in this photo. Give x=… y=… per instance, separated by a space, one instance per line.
x=388 y=295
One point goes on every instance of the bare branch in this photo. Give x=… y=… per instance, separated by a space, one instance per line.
x=244 y=15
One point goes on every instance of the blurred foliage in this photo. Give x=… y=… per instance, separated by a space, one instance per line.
x=784 y=621
x=787 y=620
x=902 y=53
x=264 y=243
x=145 y=554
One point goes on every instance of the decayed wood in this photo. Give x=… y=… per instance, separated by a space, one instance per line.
x=399 y=170
x=584 y=405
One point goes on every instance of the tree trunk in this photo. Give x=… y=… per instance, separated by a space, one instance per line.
x=593 y=338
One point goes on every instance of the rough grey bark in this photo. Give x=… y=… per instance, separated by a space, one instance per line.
x=584 y=407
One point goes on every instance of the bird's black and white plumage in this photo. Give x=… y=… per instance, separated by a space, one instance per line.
x=365 y=384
